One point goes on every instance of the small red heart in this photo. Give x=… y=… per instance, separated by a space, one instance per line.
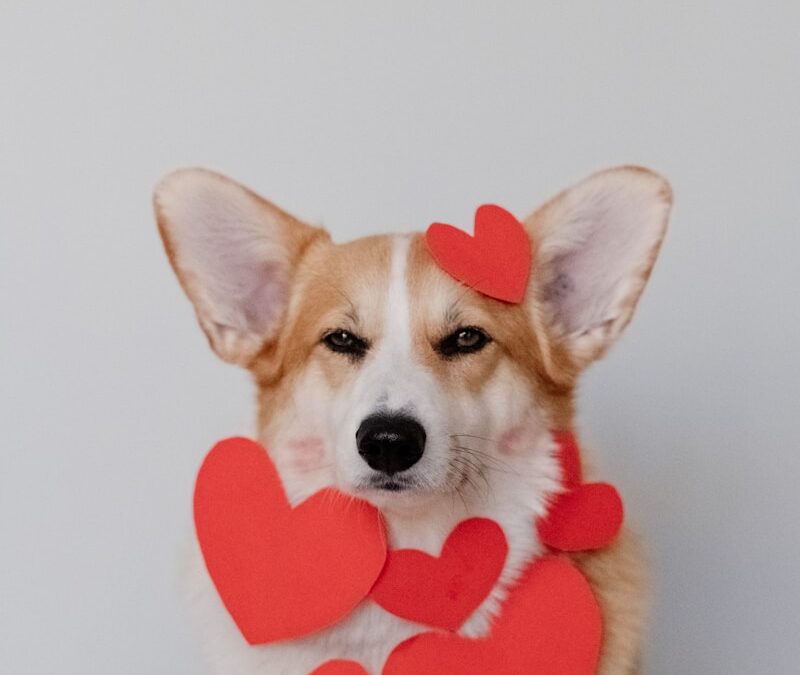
x=586 y=518
x=340 y=667
x=550 y=625
x=281 y=572
x=495 y=262
x=444 y=591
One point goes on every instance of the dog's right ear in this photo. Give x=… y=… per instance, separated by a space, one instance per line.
x=235 y=255
x=596 y=244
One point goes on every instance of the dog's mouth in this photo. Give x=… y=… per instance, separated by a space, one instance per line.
x=466 y=472
x=391 y=484
x=395 y=491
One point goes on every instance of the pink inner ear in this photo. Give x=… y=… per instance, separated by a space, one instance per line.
x=229 y=246
x=244 y=276
x=266 y=298
x=605 y=240
x=571 y=291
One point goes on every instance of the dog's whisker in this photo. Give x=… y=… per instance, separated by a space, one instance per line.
x=488 y=462
x=458 y=491
x=470 y=468
x=468 y=480
x=480 y=438
x=457 y=438
x=487 y=457
x=482 y=455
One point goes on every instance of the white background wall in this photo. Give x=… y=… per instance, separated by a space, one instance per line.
x=371 y=117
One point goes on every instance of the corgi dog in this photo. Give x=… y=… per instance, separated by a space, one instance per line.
x=381 y=375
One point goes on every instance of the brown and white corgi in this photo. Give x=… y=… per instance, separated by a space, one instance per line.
x=381 y=375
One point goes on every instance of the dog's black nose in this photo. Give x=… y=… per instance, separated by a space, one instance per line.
x=390 y=443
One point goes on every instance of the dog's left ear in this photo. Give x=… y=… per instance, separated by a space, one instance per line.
x=596 y=244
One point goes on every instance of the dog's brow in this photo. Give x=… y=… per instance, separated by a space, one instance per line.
x=453 y=313
x=351 y=313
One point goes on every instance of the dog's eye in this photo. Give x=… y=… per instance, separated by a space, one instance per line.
x=344 y=342
x=463 y=341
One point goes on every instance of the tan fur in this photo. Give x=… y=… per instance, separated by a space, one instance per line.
x=332 y=281
x=618 y=575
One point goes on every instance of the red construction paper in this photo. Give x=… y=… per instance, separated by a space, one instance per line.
x=496 y=261
x=282 y=572
x=443 y=591
x=340 y=667
x=587 y=516
x=550 y=625
x=569 y=456
x=585 y=519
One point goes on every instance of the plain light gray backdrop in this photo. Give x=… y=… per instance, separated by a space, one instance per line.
x=371 y=117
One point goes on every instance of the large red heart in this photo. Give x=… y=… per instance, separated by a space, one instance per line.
x=444 y=591
x=495 y=262
x=550 y=625
x=282 y=572
x=587 y=516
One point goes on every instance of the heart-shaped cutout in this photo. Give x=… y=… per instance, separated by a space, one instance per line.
x=340 y=667
x=443 y=591
x=586 y=518
x=282 y=572
x=550 y=625
x=496 y=261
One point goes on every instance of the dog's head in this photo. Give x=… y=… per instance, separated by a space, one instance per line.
x=378 y=372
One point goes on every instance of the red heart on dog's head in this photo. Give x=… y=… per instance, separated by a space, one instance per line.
x=281 y=572
x=444 y=591
x=550 y=625
x=495 y=262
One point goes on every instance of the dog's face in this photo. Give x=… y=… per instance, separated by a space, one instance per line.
x=395 y=377
x=381 y=374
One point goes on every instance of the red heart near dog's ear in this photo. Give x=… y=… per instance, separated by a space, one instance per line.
x=495 y=261
x=596 y=246
x=235 y=255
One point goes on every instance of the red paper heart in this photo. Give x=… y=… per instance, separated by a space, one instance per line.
x=495 y=262
x=282 y=572
x=585 y=519
x=340 y=667
x=444 y=591
x=587 y=516
x=550 y=625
